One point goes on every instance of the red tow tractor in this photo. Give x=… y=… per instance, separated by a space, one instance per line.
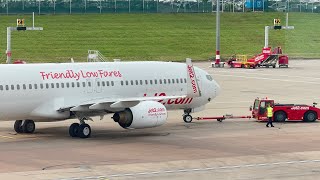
x=281 y=112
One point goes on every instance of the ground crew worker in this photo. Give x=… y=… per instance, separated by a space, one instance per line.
x=269 y=115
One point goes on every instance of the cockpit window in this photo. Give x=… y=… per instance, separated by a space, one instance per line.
x=209 y=77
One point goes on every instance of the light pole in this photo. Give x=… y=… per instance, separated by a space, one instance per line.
x=217 y=62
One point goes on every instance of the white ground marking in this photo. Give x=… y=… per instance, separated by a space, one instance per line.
x=271 y=74
x=191 y=170
x=271 y=79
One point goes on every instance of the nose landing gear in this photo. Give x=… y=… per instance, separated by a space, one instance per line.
x=186 y=116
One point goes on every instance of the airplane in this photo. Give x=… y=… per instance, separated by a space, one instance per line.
x=137 y=93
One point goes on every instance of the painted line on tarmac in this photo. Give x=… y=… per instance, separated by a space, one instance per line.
x=238 y=102
x=272 y=74
x=271 y=79
x=105 y=177
x=291 y=99
x=7 y=137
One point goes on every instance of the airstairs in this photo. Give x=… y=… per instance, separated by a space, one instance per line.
x=95 y=56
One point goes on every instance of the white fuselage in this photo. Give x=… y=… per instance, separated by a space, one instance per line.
x=27 y=87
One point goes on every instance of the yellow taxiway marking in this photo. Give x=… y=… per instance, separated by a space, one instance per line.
x=7 y=137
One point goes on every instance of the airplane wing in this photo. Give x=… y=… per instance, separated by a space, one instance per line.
x=112 y=104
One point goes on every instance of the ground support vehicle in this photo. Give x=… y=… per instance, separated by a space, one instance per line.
x=284 y=112
x=281 y=112
x=239 y=61
x=265 y=59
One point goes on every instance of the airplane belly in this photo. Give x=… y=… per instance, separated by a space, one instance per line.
x=15 y=110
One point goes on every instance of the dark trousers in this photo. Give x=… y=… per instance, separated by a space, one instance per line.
x=269 y=122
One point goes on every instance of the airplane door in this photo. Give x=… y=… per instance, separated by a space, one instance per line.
x=199 y=81
x=98 y=85
x=89 y=86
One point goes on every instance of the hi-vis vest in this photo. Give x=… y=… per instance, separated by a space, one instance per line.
x=269 y=111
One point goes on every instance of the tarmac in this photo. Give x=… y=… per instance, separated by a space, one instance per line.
x=232 y=149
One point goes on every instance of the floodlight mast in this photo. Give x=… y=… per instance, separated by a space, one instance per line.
x=20 y=27
x=217 y=63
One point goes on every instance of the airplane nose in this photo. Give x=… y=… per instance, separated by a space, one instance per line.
x=217 y=88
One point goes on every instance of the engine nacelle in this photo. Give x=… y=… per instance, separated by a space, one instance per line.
x=144 y=115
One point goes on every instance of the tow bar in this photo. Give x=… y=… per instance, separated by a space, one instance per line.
x=221 y=118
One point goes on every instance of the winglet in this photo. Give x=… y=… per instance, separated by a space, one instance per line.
x=193 y=89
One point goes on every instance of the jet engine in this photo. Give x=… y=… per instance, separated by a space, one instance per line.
x=144 y=115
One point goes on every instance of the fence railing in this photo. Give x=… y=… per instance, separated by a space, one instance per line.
x=150 y=6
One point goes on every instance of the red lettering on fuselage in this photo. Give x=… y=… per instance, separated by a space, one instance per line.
x=176 y=101
x=70 y=74
x=192 y=78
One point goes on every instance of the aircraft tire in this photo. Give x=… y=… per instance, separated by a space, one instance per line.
x=187 y=118
x=73 y=129
x=28 y=126
x=18 y=126
x=84 y=131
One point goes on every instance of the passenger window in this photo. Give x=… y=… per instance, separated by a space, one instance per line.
x=72 y=84
x=112 y=83
x=127 y=83
x=177 y=80
x=52 y=85
x=164 y=81
x=35 y=86
x=137 y=82
x=30 y=86
x=62 y=85
x=24 y=86
x=18 y=87
x=146 y=81
x=132 y=82
x=121 y=83
x=67 y=85
x=78 y=84
x=141 y=82
x=84 y=84
x=47 y=85
x=41 y=86
x=12 y=87
x=57 y=85
x=108 y=83
x=1 y=87
x=185 y=80
x=160 y=81
x=155 y=81
x=151 y=82
x=7 y=87
x=172 y=81
x=98 y=83
x=169 y=81
x=181 y=81
x=103 y=83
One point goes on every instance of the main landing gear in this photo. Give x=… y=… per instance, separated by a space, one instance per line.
x=24 y=126
x=186 y=116
x=81 y=130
